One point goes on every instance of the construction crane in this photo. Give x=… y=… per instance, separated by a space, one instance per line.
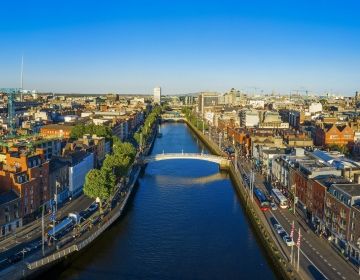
x=10 y=92
x=298 y=91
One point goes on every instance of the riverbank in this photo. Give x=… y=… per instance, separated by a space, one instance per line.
x=254 y=214
x=36 y=264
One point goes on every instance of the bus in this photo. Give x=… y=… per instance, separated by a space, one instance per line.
x=261 y=199
x=279 y=198
x=62 y=227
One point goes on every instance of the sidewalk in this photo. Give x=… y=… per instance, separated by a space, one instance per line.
x=33 y=229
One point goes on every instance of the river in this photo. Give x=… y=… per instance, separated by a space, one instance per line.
x=184 y=221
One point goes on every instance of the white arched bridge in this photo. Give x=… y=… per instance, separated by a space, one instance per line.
x=222 y=161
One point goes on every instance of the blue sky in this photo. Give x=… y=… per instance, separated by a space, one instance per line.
x=130 y=46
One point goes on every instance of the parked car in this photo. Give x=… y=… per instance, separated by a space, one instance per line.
x=288 y=240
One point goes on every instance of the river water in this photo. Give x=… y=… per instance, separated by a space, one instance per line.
x=185 y=221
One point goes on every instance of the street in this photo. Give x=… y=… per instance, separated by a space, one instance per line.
x=317 y=258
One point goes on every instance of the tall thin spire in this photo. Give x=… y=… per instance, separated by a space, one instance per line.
x=22 y=77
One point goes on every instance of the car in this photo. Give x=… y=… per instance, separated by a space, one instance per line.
x=85 y=214
x=273 y=206
x=288 y=240
x=279 y=229
x=93 y=207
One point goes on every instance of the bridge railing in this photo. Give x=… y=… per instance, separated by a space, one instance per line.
x=163 y=156
x=202 y=155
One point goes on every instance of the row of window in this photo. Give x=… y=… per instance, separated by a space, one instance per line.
x=9 y=228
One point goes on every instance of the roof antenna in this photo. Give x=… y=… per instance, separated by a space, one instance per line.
x=22 y=80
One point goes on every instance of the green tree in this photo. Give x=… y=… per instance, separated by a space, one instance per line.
x=340 y=148
x=96 y=185
x=124 y=149
x=118 y=165
x=137 y=137
x=77 y=131
x=100 y=130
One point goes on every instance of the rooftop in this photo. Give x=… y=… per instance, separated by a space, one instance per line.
x=56 y=164
x=350 y=189
x=328 y=180
x=7 y=197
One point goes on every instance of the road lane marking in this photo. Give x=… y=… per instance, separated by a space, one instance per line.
x=302 y=252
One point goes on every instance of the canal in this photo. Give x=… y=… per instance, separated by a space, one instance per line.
x=185 y=221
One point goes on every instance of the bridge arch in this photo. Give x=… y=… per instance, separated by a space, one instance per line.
x=223 y=162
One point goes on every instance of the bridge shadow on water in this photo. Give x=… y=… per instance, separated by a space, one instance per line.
x=186 y=181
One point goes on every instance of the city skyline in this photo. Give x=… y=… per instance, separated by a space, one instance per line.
x=185 y=47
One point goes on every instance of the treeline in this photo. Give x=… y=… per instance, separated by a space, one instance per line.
x=100 y=130
x=101 y=182
x=195 y=120
x=143 y=134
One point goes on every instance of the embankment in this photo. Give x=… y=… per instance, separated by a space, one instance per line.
x=254 y=214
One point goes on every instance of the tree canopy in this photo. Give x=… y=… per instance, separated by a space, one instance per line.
x=96 y=184
x=100 y=130
x=145 y=130
x=101 y=182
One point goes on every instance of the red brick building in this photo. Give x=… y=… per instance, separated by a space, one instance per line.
x=338 y=203
x=332 y=134
x=27 y=174
x=320 y=186
x=56 y=130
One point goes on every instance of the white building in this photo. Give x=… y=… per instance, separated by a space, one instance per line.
x=209 y=116
x=157 y=95
x=249 y=118
x=315 y=108
x=42 y=116
x=257 y=104
x=207 y=100
x=81 y=164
